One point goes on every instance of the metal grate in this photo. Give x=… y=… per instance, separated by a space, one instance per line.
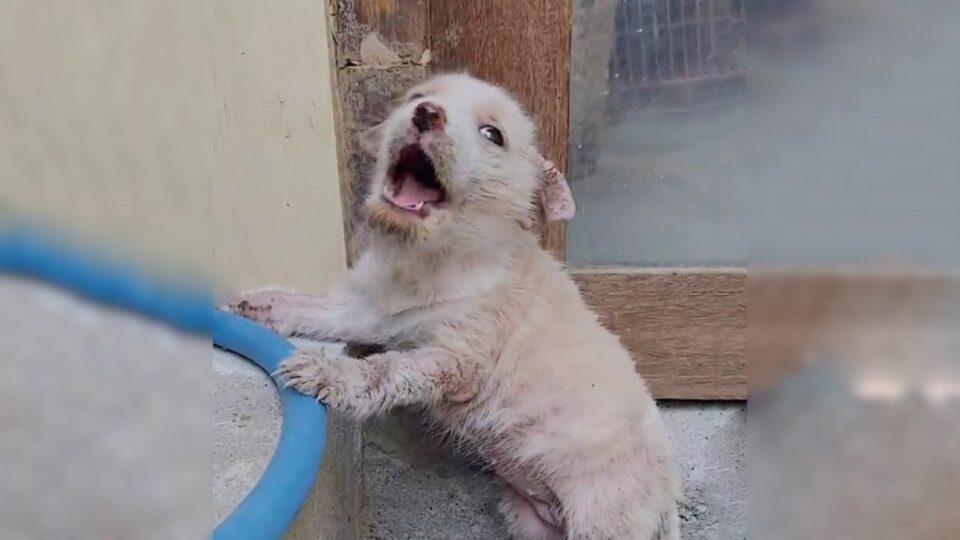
x=676 y=53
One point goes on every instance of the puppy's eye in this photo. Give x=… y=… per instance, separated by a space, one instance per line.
x=414 y=97
x=492 y=134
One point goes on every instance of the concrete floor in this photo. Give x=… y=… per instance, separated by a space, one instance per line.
x=105 y=421
x=246 y=425
x=417 y=491
x=709 y=443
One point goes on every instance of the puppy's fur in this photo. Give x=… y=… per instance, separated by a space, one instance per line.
x=485 y=331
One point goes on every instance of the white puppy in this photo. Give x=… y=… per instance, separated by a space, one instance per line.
x=483 y=328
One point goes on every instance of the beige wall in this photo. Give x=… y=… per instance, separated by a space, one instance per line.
x=105 y=120
x=197 y=132
x=276 y=192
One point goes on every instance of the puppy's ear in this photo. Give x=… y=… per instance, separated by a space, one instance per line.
x=371 y=138
x=554 y=194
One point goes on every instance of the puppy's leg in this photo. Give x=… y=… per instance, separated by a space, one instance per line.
x=323 y=317
x=380 y=382
x=523 y=520
x=618 y=504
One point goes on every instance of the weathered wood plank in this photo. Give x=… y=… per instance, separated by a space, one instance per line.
x=686 y=327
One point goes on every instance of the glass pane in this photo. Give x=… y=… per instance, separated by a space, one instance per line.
x=717 y=132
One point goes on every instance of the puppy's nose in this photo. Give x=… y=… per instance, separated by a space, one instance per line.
x=428 y=116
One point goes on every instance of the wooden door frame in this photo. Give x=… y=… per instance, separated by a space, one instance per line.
x=686 y=326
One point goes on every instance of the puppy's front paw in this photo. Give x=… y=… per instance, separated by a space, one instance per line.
x=257 y=306
x=331 y=380
x=254 y=312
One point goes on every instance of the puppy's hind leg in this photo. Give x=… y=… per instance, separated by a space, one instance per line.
x=615 y=504
x=523 y=520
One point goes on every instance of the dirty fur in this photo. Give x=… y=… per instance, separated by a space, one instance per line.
x=487 y=333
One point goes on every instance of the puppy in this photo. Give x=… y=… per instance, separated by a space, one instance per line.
x=482 y=328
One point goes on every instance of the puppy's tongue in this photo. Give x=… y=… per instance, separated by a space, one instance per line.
x=413 y=194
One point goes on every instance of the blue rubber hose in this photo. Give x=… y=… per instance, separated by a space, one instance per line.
x=40 y=256
x=271 y=506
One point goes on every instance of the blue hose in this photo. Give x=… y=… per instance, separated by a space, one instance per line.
x=268 y=511
x=40 y=256
x=270 y=508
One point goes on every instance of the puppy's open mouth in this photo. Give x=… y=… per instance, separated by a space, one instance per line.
x=412 y=183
